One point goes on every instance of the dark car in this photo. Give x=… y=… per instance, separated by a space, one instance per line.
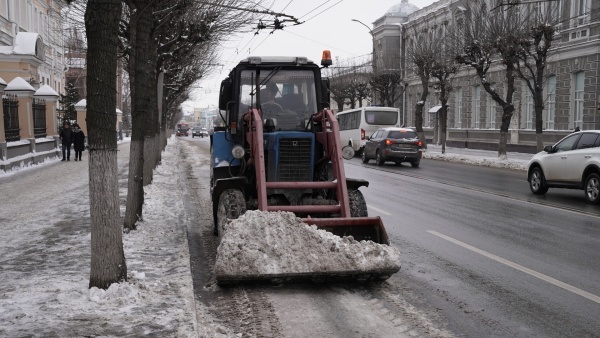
x=198 y=131
x=393 y=144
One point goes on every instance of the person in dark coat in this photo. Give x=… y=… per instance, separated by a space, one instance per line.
x=66 y=138
x=78 y=141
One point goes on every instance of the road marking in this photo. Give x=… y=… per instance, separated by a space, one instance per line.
x=519 y=267
x=379 y=210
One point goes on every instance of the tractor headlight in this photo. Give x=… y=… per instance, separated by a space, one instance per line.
x=238 y=152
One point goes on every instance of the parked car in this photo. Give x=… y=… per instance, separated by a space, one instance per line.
x=572 y=163
x=198 y=131
x=393 y=144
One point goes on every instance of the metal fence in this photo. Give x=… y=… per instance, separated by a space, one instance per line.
x=39 y=118
x=10 y=108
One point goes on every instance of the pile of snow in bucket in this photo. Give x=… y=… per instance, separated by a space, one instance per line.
x=271 y=243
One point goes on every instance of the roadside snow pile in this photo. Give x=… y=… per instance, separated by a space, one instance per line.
x=277 y=243
x=515 y=164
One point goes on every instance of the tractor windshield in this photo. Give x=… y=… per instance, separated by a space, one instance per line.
x=287 y=96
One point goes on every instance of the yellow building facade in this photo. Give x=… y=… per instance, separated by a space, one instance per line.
x=32 y=68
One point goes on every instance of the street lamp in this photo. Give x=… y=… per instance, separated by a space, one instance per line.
x=373 y=42
x=373 y=57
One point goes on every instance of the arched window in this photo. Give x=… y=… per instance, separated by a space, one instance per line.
x=458 y=108
x=476 y=106
x=528 y=106
x=491 y=110
x=578 y=102
x=550 y=102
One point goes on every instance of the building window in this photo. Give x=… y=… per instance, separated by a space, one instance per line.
x=458 y=110
x=476 y=106
x=491 y=110
x=23 y=11
x=579 y=85
x=551 y=102
x=4 y=8
x=581 y=7
x=31 y=24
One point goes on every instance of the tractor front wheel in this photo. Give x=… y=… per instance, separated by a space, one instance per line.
x=358 y=205
x=231 y=206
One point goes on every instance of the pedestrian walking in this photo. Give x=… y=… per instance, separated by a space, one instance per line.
x=66 y=138
x=78 y=141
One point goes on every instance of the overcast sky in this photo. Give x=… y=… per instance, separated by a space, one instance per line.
x=327 y=24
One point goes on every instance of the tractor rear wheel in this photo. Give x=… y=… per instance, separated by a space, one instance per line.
x=358 y=205
x=231 y=206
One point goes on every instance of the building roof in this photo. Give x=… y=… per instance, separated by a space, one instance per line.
x=402 y=9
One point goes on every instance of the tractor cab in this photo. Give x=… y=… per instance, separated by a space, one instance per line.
x=286 y=91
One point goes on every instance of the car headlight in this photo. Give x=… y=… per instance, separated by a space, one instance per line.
x=238 y=152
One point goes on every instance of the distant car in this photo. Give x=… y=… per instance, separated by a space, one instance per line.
x=198 y=131
x=572 y=163
x=393 y=144
x=182 y=131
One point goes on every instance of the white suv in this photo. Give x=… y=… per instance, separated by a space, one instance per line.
x=572 y=163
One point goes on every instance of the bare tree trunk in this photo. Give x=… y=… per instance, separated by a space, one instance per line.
x=148 y=158
x=107 y=255
x=152 y=128
x=444 y=122
x=419 y=113
x=140 y=28
x=538 y=97
x=502 y=144
x=135 y=187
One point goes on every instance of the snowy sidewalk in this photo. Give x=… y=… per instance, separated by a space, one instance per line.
x=517 y=161
x=45 y=257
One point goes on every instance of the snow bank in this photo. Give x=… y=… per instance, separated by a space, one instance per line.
x=277 y=243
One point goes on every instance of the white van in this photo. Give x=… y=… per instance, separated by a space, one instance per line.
x=357 y=124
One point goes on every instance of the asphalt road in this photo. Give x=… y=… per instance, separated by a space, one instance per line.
x=491 y=258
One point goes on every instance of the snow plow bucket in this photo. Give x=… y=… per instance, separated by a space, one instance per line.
x=361 y=228
x=284 y=250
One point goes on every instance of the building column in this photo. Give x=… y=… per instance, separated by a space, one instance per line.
x=81 y=108
x=2 y=135
x=24 y=93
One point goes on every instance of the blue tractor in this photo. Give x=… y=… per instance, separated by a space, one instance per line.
x=277 y=148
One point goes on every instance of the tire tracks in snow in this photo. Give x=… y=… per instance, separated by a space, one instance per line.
x=245 y=311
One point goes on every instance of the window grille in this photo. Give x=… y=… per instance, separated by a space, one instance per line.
x=39 y=118
x=10 y=107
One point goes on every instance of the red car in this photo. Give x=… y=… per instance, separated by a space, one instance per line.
x=183 y=131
